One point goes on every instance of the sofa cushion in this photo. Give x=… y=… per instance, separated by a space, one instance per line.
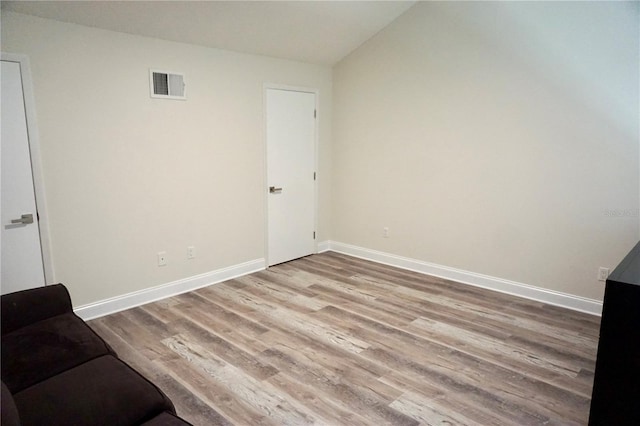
x=166 y=419
x=104 y=391
x=36 y=352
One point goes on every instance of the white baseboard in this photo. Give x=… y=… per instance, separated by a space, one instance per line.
x=322 y=246
x=514 y=288
x=137 y=298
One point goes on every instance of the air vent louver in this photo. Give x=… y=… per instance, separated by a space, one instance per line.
x=167 y=85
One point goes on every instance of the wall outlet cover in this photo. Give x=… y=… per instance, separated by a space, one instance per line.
x=603 y=273
x=162 y=258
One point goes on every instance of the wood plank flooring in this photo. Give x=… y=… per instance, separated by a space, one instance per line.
x=334 y=340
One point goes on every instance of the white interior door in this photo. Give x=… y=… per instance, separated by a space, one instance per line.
x=22 y=266
x=291 y=127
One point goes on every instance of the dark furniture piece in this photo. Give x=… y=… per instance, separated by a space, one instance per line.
x=57 y=371
x=616 y=386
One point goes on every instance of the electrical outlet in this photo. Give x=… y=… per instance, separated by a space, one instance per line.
x=162 y=258
x=385 y=232
x=603 y=273
x=191 y=252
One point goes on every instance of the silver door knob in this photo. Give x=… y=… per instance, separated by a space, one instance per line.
x=25 y=219
x=274 y=190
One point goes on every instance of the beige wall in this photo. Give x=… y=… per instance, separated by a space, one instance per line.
x=128 y=176
x=496 y=138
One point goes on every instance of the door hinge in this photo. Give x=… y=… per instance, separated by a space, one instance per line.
x=314 y=175
x=315 y=113
x=314 y=235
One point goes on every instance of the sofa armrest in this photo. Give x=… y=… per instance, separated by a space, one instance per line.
x=26 y=307
x=8 y=411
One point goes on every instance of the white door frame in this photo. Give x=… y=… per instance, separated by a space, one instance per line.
x=36 y=165
x=265 y=192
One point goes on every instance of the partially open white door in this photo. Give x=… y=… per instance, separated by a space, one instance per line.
x=291 y=127
x=22 y=265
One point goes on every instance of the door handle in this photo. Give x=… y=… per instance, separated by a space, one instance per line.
x=274 y=190
x=24 y=220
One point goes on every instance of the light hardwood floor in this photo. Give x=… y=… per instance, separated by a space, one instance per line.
x=334 y=340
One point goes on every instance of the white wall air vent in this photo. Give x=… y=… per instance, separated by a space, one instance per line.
x=167 y=85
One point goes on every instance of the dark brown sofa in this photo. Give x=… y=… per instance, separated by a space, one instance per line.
x=57 y=371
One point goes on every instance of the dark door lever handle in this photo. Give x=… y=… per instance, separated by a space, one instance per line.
x=25 y=219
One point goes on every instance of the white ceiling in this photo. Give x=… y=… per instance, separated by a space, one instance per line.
x=320 y=32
